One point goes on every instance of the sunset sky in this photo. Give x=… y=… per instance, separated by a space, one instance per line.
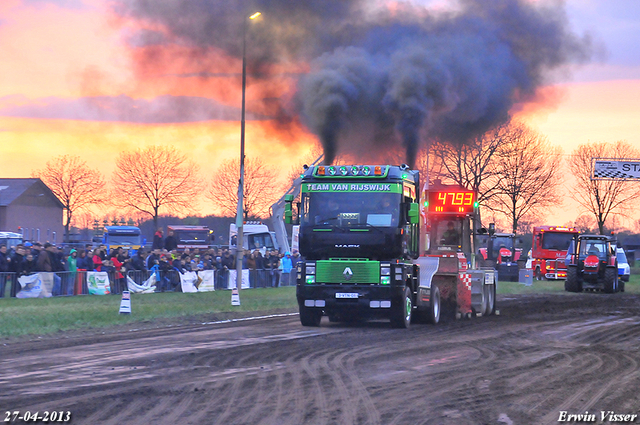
x=72 y=82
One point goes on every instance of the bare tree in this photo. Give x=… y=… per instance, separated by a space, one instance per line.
x=526 y=174
x=262 y=187
x=147 y=180
x=602 y=198
x=472 y=164
x=75 y=184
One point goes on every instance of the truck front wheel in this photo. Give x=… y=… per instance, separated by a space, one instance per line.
x=310 y=316
x=401 y=312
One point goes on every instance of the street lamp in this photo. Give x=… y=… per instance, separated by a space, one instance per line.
x=240 y=209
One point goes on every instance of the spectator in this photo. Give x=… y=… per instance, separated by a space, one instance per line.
x=44 y=259
x=80 y=256
x=48 y=262
x=153 y=259
x=287 y=265
x=35 y=250
x=16 y=264
x=170 y=242
x=72 y=266
x=295 y=259
x=274 y=266
x=138 y=261
x=158 y=241
x=29 y=264
x=97 y=259
x=118 y=268
x=4 y=268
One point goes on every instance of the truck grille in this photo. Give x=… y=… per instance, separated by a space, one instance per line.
x=349 y=272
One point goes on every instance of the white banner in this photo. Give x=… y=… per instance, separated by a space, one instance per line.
x=147 y=287
x=189 y=281
x=197 y=282
x=98 y=283
x=232 y=279
x=38 y=285
x=616 y=169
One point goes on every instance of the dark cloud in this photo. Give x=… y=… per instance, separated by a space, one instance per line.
x=163 y=109
x=405 y=74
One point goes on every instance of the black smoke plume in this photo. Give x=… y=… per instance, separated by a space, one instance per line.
x=450 y=75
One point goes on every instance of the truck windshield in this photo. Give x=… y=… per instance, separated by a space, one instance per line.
x=259 y=241
x=123 y=239
x=556 y=241
x=349 y=209
x=192 y=236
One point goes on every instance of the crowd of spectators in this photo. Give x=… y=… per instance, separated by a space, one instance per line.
x=267 y=268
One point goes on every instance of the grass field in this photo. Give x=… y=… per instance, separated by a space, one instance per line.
x=41 y=316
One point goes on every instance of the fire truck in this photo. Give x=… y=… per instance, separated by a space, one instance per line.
x=375 y=246
x=549 y=250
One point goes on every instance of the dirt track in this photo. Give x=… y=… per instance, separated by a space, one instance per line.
x=542 y=355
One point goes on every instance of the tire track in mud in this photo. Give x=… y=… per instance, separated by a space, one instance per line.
x=525 y=366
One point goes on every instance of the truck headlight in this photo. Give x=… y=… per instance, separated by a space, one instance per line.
x=311 y=269
x=385 y=280
x=310 y=279
x=385 y=271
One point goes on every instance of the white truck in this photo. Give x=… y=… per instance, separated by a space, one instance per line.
x=255 y=235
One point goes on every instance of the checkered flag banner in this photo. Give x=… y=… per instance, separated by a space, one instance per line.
x=614 y=169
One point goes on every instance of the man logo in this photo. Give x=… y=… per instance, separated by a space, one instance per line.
x=347 y=273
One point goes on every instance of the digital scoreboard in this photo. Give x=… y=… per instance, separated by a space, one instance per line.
x=451 y=202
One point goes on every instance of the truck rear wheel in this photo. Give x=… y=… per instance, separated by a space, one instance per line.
x=434 y=305
x=310 y=316
x=610 y=280
x=401 y=312
x=490 y=299
x=572 y=284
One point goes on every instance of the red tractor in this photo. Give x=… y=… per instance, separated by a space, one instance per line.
x=501 y=252
x=592 y=265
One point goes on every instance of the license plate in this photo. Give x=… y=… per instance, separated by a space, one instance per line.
x=347 y=295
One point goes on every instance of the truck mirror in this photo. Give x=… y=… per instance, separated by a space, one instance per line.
x=414 y=213
x=492 y=228
x=288 y=214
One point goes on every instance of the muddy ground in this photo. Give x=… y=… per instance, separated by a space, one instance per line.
x=542 y=355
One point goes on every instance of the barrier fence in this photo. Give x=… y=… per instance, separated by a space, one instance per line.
x=83 y=282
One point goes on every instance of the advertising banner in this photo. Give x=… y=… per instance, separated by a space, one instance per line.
x=98 y=283
x=605 y=169
x=207 y=283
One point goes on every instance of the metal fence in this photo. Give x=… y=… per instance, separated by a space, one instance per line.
x=76 y=283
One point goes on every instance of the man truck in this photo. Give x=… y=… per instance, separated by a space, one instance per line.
x=375 y=246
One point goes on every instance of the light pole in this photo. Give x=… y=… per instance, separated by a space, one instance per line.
x=240 y=208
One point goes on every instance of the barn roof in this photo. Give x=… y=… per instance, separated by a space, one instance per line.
x=11 y=189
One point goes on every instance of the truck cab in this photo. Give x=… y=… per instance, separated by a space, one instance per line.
x=127 y=237
x=255 y=236
x=358 y=235
x=191 y=237
x=549 y=249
